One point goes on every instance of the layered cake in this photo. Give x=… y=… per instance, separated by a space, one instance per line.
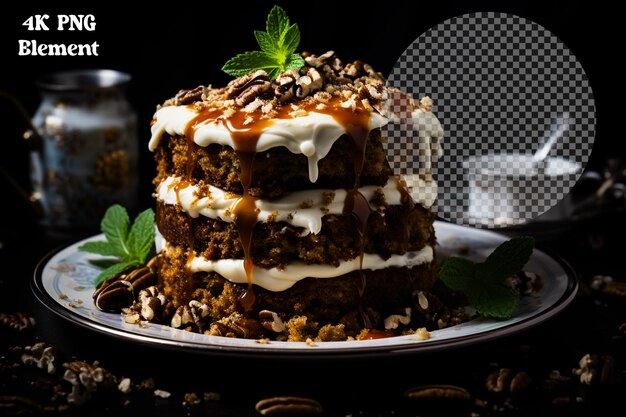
x=278 y=213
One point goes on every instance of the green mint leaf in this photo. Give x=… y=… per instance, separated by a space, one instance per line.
x=492 y=300
x=290 y=40
x=483 y=283
x=268 y=44
x=278 y=44
x=141 y=236
x=115 y=225
x=104 y=263
x=457 y=273
x=277 y=22
x=507 y=259
x=295 y=61
x=248 y=62
x=99 y=247
x=113 y=270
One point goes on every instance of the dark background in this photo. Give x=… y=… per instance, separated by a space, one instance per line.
x=183 y=45
x=173 y=46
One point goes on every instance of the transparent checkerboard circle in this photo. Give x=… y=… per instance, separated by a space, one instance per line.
x=497 y=81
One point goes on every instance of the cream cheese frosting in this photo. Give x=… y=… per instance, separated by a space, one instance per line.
x=280 y=279
x=301 y=209
x=312 y=134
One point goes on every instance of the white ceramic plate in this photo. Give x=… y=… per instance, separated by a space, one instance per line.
x=63 y=281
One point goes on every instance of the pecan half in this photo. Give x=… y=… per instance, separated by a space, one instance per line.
x=248 y=87
x=189 y=96
x=114 y=295
x=505 y=381
x=498 y=381
x=144 y=276
x=289 y=406
x=120 y=291
x=438 y=392
x=520 y=383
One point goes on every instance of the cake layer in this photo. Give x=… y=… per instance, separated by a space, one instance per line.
x=278 y=244
x=275 y=172
x=302 y=208
x=301 y=130
x=321 y=302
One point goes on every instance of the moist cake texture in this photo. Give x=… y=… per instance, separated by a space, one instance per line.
x=279 y=215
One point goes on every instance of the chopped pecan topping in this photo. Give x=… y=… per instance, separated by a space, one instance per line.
x=318 y=61
x=284 y=85
x=308 y=83
x=356 y=83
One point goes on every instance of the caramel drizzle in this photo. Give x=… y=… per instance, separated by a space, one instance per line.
x=356 y=123
x=246 y=214
x=186 y=287
x=245 y=137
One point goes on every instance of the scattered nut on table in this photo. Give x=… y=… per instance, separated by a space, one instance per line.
x=505 y=381
x=438 y=392
x=289 y=406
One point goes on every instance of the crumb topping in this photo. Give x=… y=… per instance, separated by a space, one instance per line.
x=323 y=78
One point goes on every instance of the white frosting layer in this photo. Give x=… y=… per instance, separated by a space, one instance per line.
x=280 y=279
x=302 y=209
x=311 y=135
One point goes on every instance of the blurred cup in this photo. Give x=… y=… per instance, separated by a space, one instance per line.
x=84 y=150
x=504 y=189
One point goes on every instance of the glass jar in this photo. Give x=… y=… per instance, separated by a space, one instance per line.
x=87 y=152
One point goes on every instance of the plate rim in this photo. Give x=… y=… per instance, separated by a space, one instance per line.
x=557 y=307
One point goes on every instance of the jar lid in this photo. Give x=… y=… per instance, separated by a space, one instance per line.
x=82 y=80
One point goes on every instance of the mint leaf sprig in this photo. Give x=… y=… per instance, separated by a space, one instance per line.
x=482 y=283
x=278 y=44
x=131 y=245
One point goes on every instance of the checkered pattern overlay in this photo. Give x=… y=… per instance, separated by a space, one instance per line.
x=498 y=83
